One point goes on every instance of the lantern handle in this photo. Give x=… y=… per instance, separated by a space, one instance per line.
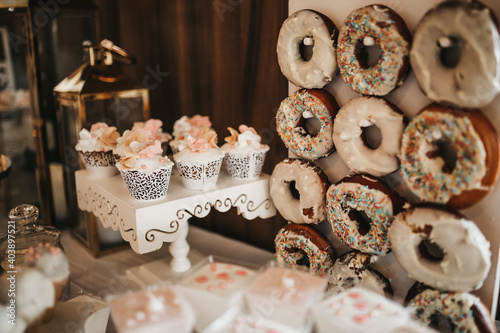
x=107 y=45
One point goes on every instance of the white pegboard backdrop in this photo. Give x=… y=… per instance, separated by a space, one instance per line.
x=410 y=100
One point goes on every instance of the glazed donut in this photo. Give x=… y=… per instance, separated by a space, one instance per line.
x=360 y=209
x=302 y=247
x=367 y=26
x=290 y=123
x=352 y=269
x=470 y=173
x=311 y=28
x=449 y=311
x=455 y=54
x=298 y=190
x=440 y=248
x=350 y=139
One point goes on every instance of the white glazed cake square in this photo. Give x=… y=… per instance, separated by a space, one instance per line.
x=359 y=310
x=214 y=288
x=161 y=309
x=283 y=295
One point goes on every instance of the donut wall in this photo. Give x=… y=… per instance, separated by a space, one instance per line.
x=410 y=99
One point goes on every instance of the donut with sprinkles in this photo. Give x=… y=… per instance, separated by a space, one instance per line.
x=450 y=156
x=366 y=27
x=302 y=247
x=457 y=312
x=360 y=209
x=291 y=123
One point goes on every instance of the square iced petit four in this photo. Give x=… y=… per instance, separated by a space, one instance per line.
x=215 y=287
x=359 y=310
x=285 y=296
x=158 y=309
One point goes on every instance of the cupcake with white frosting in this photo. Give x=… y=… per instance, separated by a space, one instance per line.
x=197 y=126
x=145 y=171
x=245 y=154
x=199 y=162
x=95 y=148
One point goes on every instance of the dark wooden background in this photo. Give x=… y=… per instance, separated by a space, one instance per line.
x=212 y=57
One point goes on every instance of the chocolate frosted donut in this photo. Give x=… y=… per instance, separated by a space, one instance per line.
x=456 y=312
x=298 y=190
x=307 y=28
x=352 y=269
x=367 y=26
x=450 y=156
x=360 y=211
x=455 y=54
x=302 y=247
x=440 y=248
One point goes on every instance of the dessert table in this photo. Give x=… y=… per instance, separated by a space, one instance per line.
x=108 y=275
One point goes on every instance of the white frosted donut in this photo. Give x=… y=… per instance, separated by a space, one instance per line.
x=360 y=209
x=366 y=26
x=318 y=30
x=458 y=182
x=298 y=190
x=290 y=123
x=350 y=142
x=466 y=29
x=440 y=248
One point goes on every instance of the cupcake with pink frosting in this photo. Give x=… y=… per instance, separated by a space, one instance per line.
x=145 y=171
x=95 y=148
x=245 y=154
x=199 y=161
x=197 y=126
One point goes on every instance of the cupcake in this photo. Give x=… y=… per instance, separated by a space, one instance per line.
x=145 y=171
x=52 y=262
x=245 y=154
x=95 y=148
x=199 y=162
x=197 y=126
x=154 y=128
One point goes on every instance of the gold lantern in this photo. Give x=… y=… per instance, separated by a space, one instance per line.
x=98 y=91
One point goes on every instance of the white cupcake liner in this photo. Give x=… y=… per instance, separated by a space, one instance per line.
x=247 y=166
x=147 y=186
x=199 y=176
x=99 y=164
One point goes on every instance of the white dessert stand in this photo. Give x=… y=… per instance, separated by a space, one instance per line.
x=410 y=100
x=146 y=225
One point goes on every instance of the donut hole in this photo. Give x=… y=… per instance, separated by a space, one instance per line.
x=450 y=51
x=367 y=52
x=302 y=259
x=445 y=150
x=293 y=189
x=441 y=323
x=430 y=250
x=371 y=136
x=309 y=124
x=362 y=220
x=306 y=48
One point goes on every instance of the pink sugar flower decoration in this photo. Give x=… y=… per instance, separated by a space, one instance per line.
x=98 y=126
x=244 y=128
x=152 y=150
x=198 y=145
x=153 y=125
x=200 y=121
x=196 y=132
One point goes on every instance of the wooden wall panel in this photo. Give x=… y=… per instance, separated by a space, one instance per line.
x=221 y=61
